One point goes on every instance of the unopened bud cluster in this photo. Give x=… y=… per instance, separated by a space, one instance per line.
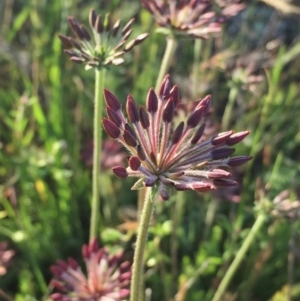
x=108 y=44
x=164 y=155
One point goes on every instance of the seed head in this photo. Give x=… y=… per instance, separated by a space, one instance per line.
x=165 y=155
x=105 y=47
x=106 y=277
x=195 y=18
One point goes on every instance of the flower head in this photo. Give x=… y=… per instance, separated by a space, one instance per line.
x=196 y=18
x=108 y=45
x=5 y=257
x=107 y=279
x=163 y=154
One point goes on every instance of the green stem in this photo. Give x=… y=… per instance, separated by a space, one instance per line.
x=239 y=257
x=229 y=107
x=99 y=83
x=165 y=64
x=138 y=264
x=196 y=63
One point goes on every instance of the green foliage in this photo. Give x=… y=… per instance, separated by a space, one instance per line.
x=46 y=104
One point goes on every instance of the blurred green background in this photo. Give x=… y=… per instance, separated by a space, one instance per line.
x=46 y=109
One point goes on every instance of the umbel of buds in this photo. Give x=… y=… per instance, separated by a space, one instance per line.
x=107 y=278
x=195 y=18
x=164 y=154
x=106 y=46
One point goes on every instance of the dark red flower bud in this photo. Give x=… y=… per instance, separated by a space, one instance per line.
x=221 y=138
x=111 y=100
x=177 y=133
x=168 y=112
x=239 y=160
x=111 y=128
x=198 y=134
x=152 y=101
x=129 y=139
x=221 y=153
x=120 y=172
x=144 y=117
x=237 y=137
x=134 y=163
x=194 y=118
x=132 y=110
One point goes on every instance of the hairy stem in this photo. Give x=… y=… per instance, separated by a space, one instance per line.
x=99 y=83
x=138 y=264
x=165 y=64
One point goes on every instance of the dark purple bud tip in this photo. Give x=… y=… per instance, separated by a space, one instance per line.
x=239 y=160
x=66 y=41
x=165 y=88
x=221 y=153
x=237 y=137
x=224 y=183
x=99 y=27
x=195 y=118
x=132 y=110
x=153 y=158
x=221 y=138
x=152 y=101
x=144 y=118
x=120 y=172
x=85 y=33
x=218 y=173
x=111 y=100
x=129 y=139
x=75 y=26
x=92 y=18
x=198 y=134
x=113 y=116
x=134 y=163
x=127 y=26
x=205 y=104
x=111 y=128
x=177 y=133
x=141 y=153
x=174 y=93
x=168 y=112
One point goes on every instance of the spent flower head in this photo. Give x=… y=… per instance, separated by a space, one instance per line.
x=5 y=257
x=195 y=18
x=166 y=155
x=107 y=45
x=106 y=278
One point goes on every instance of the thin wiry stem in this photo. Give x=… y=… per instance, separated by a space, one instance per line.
x=196 y=63
x=138 y=261
x=99 y=83
x=165 y=64
x=239 y=257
